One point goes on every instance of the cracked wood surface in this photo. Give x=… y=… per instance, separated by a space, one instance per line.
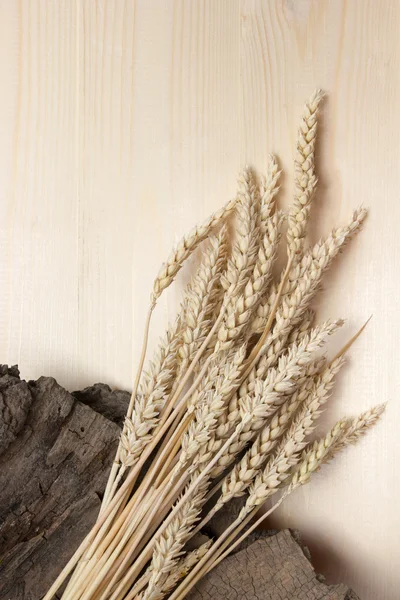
x=55 y=452
x=273 y=568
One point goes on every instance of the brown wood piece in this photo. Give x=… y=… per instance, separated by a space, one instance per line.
x=56 y=449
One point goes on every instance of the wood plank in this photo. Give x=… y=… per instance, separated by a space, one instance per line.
x=39 y=317
x=351 y=50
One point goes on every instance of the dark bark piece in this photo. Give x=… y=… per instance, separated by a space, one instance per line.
x=15 y=402
x=273 y=568
x=56 y=449
x=51 y=479
x=28 y=570
x=112 y=404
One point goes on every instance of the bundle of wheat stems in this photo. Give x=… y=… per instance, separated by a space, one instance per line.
x=228 y=403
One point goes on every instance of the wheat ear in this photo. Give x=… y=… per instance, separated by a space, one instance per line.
x=268 y=190
x=168 y=546
x=270 y=394
x=309 y=270
x=184 y=566
x=305 y=178
x=299 y=290
x=199 y=302
x=244 y=305
x=185 y=247
x=246 y=470
x=310 y=461
x=155 y=386
x=360 y=426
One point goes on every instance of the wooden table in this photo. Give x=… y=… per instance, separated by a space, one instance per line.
x=122 y=123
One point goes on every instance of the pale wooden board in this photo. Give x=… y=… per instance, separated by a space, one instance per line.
x=122 y=123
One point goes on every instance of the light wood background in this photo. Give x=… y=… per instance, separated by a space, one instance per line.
x=122 y=123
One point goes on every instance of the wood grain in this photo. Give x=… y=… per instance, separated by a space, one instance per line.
x=122 y=123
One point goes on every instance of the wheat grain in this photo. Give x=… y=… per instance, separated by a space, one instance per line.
x=302 y=328
x=268 y=191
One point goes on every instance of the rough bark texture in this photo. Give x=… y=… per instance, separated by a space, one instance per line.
x=55 y=452
x=272 y=567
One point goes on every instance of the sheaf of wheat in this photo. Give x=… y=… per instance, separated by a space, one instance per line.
x=227 y=405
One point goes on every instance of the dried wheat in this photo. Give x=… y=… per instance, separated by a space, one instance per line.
x=238 y=381
x=313 y=393
x=359 y=426
x=185 y=247
x=168 y=546
x=244 y=247
x=302 y=328
x=155 y=386
x=200 y=299
x=312 y=458
x=203 y=443
x=271 y=393
x=277 y=469
x=184 y=565
x=268 y=191
x=305 y=178
x=304 y=280
x=241 y=310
